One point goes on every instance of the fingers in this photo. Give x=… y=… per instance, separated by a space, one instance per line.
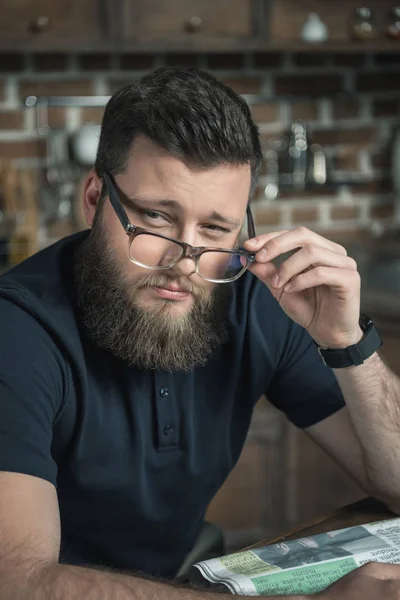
x=308 y=257
x=381 y=570
x=278 y=242
x=333 y=277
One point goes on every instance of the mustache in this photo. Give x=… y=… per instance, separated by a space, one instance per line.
x=163 y=280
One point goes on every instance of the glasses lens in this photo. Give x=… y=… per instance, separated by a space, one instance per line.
x=221 y=266
x=153 y=251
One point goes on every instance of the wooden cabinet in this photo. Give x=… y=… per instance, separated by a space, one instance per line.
x=50 y=24
x=132 y=25
x=193 y=23
x=180 y=25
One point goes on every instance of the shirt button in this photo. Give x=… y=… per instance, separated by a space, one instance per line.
x=168 y=430
x=163 y=392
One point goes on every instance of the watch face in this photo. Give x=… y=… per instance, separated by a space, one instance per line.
x=365 y=322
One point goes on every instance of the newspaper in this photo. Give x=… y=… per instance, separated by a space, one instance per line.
x=307 y=565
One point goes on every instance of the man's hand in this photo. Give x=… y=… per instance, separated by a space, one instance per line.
x=373 y=581
x=318 y=286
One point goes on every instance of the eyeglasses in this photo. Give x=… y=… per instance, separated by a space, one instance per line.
x=158 y=252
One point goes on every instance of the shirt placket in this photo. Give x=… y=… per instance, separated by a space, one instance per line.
x=167 y=422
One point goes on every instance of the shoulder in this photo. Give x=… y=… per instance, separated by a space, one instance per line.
x=37 y=314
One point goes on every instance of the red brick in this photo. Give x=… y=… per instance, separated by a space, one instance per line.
x=345 y=212
x=306 y=110
x=346 y=109
x=381 y=82
x=347 y=159
x=383 y=211
x=269 y=60
x=116 y=84
x=322 y=190
x=94 y=62
x=377 y=186
x=57 y=116
x=267 y=216
x=49 y=62
x=181 y=59
x=92 y=114
x=312 y=59
x=10 y=63
x=305 y=215
x=386 y=108
x=11 y=119
x=132 y=62
x=225 y=60
x=244 y=85
x=308 y=85
x=73 y=87
x=23 y=149
x=346 y=236
x=363 y=136
x=264 y=113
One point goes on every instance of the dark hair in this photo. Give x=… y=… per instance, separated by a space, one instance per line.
x=187 y=112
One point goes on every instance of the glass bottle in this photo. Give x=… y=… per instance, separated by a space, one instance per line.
x=393 y=26
x=363 y=26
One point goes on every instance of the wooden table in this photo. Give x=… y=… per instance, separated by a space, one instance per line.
x=359 y=513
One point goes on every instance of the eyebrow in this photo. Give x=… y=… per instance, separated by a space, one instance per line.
x=213 y=216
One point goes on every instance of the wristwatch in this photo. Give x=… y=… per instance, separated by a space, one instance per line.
x=354 y=355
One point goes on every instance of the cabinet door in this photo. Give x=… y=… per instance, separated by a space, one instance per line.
x=186 y=22
x=52 y=24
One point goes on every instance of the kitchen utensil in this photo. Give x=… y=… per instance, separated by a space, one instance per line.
x=393 y=26
x=83 y=145
x=314 y=30
x=363 y=26
x=294 y=161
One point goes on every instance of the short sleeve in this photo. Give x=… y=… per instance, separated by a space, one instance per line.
x=32 y=387
x=302 y=386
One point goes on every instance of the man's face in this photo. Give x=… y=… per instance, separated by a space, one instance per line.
x=178 y=312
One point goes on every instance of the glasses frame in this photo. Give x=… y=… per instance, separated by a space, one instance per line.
x=188 y=251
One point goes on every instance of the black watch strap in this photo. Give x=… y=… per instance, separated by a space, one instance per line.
x=354 y=355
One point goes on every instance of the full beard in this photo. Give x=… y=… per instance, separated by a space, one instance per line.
x=150 y=337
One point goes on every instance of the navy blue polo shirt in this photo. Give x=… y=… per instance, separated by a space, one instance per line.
x=136 y=456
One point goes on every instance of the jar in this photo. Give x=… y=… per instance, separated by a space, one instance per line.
x=363 y=26
x=393 y=26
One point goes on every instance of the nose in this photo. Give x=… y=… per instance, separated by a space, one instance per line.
x=185 y=267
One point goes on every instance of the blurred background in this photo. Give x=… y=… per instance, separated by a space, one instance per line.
x=323 y=83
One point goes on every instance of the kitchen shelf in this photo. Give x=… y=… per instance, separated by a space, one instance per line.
x=225 y=46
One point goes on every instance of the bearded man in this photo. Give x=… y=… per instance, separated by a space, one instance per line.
x=132 y=355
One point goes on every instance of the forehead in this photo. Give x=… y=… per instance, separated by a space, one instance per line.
x=152 y=173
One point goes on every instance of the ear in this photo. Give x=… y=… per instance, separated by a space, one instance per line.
x=91 y=195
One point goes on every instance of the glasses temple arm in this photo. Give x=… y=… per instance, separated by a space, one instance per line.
x=250 y=223
x=116 y=202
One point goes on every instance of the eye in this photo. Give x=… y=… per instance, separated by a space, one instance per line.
x=217 y=229
x=152 y=215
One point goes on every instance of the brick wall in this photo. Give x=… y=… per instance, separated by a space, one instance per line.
x=350 y=101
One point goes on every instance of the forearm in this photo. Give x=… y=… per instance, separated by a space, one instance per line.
x=372 y=394
x=67 y=582
x=64 y=582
